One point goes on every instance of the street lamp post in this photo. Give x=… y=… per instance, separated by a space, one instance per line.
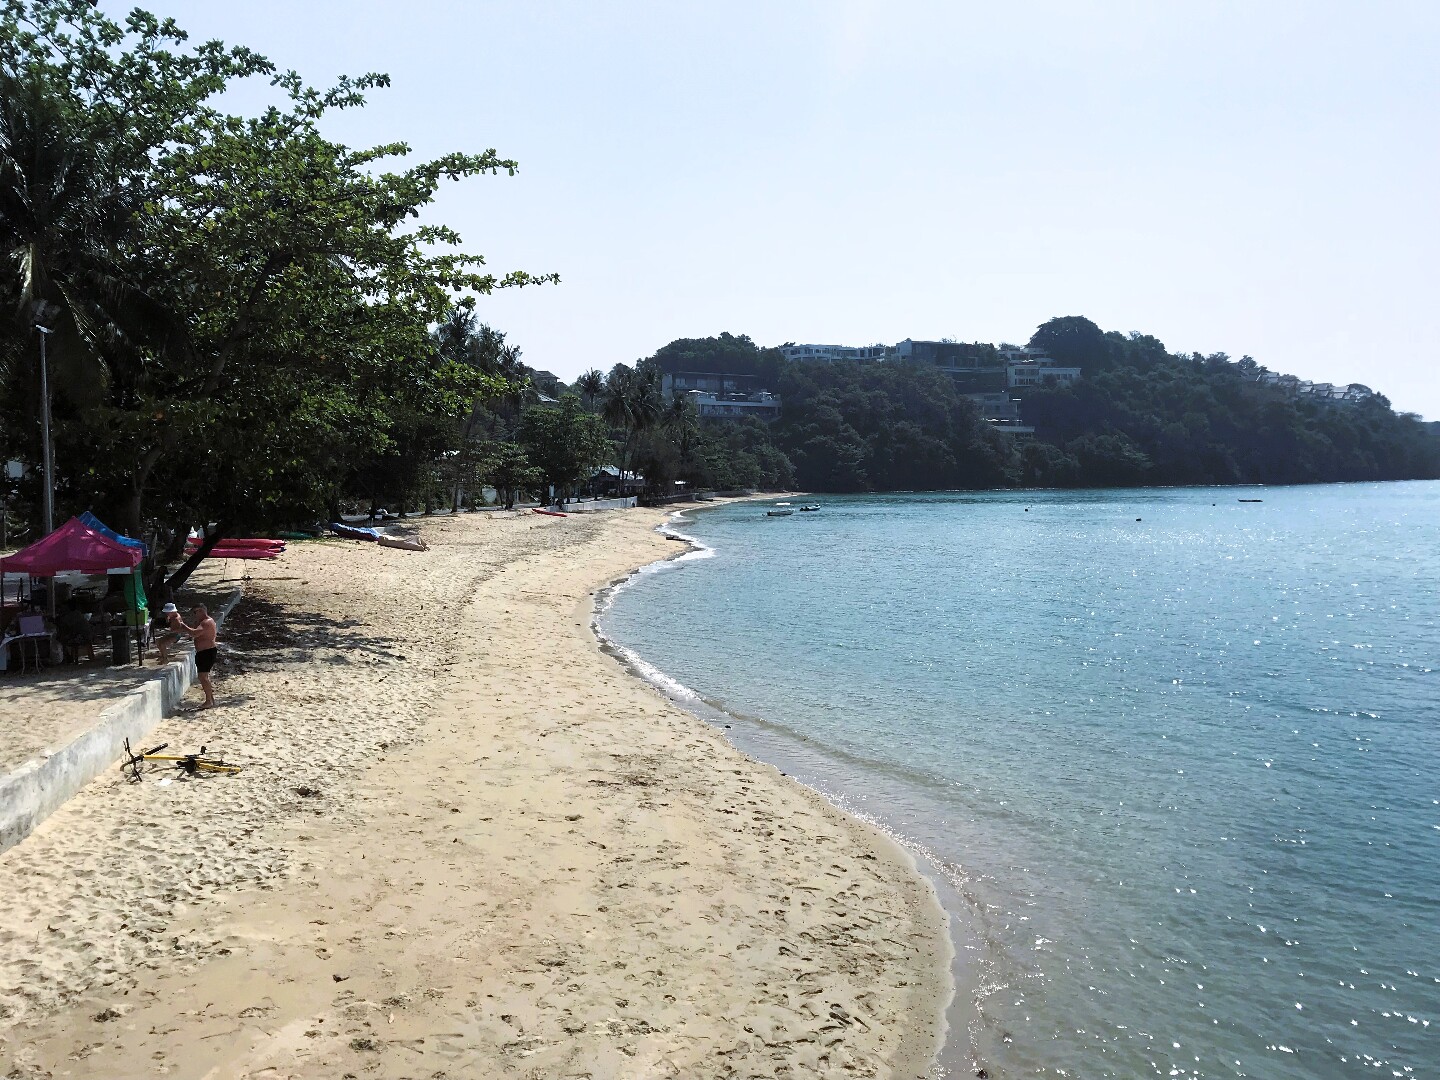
x=47 y=452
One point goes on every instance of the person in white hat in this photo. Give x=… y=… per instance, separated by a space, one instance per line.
x=165 y=632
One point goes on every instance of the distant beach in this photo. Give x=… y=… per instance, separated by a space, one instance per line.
x=465 y=841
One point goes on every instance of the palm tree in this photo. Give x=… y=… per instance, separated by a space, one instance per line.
x=455 y=337
x=591 y=384
x=632 y=403
x=681 y=423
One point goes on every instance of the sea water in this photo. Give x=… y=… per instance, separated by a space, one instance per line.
x=1172 y=756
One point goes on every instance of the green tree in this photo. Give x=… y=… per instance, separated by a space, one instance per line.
x=564 y=442
x=1073 y=340
x=592 y=385
x=508 y=470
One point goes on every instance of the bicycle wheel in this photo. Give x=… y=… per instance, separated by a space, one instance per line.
x=217 y=766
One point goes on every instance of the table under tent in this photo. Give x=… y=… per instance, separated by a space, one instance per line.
x=82 y=546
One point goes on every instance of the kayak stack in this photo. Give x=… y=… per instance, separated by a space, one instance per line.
x=239 y=548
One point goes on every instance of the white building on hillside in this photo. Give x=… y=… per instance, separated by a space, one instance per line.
x=1001 y=412
x=1351 y=394
x=715 y=394
x=1041 y=371
x=832 y=353
x=763 y=404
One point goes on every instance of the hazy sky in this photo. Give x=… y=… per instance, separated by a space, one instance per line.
x=1249 y=177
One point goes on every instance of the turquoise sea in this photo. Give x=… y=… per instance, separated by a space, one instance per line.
x=1172 y=757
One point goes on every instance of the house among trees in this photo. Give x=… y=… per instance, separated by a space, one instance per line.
x=1294 y=387
x=722 y=396
x=986 y=374
x=1039 y=371
x=1001 y=412
x=951 y=357
x=833 y=353
x=609 y=482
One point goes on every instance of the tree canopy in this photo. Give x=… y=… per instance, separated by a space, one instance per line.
x=243 y=308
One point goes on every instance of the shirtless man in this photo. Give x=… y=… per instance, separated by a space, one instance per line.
x=204 y=634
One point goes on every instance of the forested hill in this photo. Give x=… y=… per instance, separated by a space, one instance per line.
x=1140 y=415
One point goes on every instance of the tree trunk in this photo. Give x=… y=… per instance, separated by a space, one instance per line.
x=161 y=557
x=187 y=568
x=131 y=525
x=133 y=516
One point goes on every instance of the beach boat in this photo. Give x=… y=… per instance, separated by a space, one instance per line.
x=351 y=532
x=403 y=543
x=779 y=513
x=809 y=509
x=547 y=513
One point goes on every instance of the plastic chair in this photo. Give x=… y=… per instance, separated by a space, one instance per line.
x=32 y=632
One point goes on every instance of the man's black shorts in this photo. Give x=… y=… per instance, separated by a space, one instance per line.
x=205 y=659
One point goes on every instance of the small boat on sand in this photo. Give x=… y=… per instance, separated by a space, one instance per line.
x=352 y=532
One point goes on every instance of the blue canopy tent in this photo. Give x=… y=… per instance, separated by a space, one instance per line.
x=99 y=526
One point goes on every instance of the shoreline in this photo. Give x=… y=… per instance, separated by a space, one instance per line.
x=486 y=929
x=912 y=856
x=956 y=1051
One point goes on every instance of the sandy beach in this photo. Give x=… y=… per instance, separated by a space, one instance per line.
x=467 y=844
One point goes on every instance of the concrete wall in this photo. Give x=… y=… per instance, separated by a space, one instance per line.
x=585 y=506
x=38 y=788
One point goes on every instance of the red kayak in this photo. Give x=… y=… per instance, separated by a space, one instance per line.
x=547 y=513
x=237 y=542
x=244 y=553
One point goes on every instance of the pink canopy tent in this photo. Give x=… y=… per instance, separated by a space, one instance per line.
x=74 y=546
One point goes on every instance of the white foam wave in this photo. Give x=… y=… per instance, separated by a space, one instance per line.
x=697 y=550
x=671 y=688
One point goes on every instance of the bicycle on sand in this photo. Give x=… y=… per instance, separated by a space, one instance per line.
x=189 y=764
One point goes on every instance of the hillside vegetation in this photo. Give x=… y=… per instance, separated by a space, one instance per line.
x=1140 y=415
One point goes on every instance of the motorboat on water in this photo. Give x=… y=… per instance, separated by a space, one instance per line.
x=810 y=509
x=786 y=512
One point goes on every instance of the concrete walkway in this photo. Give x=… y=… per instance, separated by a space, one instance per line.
x=62 y=727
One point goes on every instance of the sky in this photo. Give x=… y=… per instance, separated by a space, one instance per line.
x=1252 y=178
